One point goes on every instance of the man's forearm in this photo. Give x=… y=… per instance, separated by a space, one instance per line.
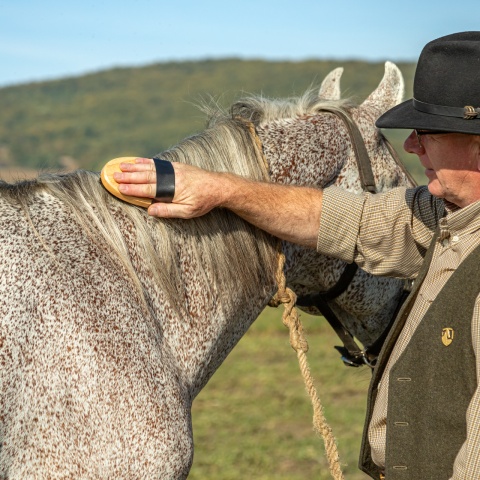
x=289 y=212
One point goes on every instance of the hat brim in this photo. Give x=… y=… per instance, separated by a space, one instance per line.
x=405 y=115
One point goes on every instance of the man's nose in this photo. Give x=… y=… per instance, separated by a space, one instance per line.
x=412 y=144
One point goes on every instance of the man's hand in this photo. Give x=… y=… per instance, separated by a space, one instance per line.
x=288 y=212
x=197 y=191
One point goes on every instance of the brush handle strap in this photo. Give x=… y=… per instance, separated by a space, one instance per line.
x=165 y=180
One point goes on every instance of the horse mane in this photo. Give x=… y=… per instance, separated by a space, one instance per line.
x=230 y=250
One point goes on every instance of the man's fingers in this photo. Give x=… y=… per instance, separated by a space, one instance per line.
x=172 y=210
x=147 y=161
x=148 y=176
x=138 y=164
x=192 y=199
x=141 y=190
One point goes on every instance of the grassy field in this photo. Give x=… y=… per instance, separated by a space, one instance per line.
x=254 y=418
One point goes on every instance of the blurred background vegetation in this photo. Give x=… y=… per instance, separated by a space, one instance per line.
x=85 y=121
x=253 y=419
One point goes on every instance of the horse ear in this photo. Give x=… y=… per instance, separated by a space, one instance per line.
x=330 y=88
x=389 y=92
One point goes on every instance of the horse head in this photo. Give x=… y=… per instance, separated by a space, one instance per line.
x=306 y=141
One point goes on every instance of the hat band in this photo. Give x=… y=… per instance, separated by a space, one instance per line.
x=467 y=112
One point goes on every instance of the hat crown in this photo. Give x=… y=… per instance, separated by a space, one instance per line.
x=448 y=71
x=446 y=88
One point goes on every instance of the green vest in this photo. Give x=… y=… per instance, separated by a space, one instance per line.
x=431 y=384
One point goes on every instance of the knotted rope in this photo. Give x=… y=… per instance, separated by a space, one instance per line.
x=299 y=343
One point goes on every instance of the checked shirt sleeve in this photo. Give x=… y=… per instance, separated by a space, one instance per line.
x=385 y=234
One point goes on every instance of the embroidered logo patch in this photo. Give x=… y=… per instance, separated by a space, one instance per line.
x=447 y=336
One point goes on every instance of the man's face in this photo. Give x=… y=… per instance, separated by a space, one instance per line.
x=451 y=162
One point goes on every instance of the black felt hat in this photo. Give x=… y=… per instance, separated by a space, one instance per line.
x=446 y=88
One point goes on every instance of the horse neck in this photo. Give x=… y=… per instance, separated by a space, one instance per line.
x=222 y=272
x=199 y=284
x=211 y=310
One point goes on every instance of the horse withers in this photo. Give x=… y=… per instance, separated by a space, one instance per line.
x=112 y=322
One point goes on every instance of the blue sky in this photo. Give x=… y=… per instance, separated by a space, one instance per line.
x=52 y=39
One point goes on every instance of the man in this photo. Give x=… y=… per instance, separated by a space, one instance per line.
x=423 y=418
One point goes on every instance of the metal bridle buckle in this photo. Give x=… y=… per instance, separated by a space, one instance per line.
x=359 y=359
x=366 y=361
x=349 y=363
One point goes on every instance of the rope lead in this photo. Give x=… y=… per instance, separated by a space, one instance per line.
x=299 y=343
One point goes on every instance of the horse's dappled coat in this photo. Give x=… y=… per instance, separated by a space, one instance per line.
x=112 y=322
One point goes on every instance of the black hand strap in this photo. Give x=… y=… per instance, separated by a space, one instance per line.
x=165 y=180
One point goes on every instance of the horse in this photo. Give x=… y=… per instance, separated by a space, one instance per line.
x=112 y=321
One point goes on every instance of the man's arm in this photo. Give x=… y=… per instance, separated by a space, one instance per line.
x=289 y=212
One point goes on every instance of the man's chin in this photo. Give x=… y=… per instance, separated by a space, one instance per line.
x=435 y=188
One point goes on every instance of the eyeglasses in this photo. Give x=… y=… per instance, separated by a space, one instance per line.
x=419 y=133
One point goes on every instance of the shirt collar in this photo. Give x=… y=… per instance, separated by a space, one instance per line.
x=461 y=220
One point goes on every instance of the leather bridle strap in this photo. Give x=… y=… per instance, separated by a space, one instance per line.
x=361 y=155
x=333 y=292
x=352 y=354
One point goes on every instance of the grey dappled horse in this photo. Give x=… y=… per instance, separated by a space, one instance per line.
x=112 y=322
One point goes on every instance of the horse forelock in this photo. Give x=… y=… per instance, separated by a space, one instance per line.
x=261 y=110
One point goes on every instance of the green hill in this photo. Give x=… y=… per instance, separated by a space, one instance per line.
x=141 y=111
